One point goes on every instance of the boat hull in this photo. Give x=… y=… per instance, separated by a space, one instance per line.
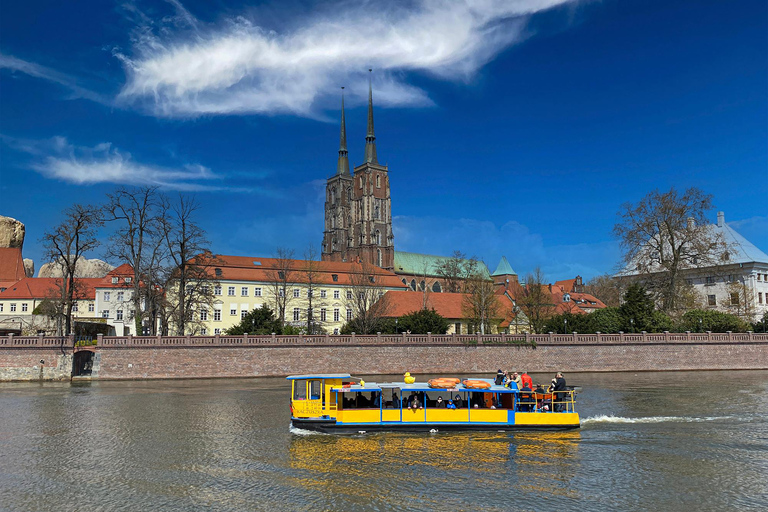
x=330 y=426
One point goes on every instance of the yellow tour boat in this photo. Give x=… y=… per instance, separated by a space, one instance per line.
x=341 y=403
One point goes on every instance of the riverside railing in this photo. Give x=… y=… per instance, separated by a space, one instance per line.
x=468 y=340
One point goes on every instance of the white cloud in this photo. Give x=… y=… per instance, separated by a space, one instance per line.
x=58 y=159
x=241 y=67
x=38 y=71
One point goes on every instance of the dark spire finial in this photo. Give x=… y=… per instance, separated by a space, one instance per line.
x=343 y=165
x=370 y=138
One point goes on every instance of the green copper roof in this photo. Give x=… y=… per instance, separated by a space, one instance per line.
x=504 y=268
x=421 y=264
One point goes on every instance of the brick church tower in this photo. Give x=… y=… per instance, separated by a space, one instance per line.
x=358 y=211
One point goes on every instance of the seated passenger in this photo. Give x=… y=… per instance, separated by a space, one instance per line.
x=440 y=404
x=458 y=402
x=526 y=398
x=395 y=401
x=375 y=399
x=450 y=405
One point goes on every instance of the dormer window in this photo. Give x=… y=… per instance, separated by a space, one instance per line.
x=335 y=277
x=567 y=297
x=128 y=279
x=115 y=280
x=217 y=272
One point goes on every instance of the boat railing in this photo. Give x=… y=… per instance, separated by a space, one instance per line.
x=552 y=401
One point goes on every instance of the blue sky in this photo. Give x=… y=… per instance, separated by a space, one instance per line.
x=510 y=128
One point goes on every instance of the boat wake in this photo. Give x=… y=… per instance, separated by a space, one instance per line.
x=302 y=432
x=652 y=419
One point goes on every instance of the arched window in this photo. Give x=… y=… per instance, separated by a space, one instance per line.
x=362 y=239
x=377 y=237
x=436 y=287
x=422 y=285
x=378 y=181
x=333 y=221
x=333 y=195
x=379 y=256
x=376 y=212
x=413 y=284
x=349 y=193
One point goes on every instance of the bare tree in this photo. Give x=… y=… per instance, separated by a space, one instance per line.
x=606 y=288
x=279 y=278
x=456 y=271
x=65 y=245
x=741 y=300
x=189 y=279
x=138 y=240
x=369 y=303
x=534 y=300
x=664 y=235
x=311 y=273
x=481 y=305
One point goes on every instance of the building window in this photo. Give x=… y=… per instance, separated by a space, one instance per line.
x=106 y=296
x=335 y=294
x=91 y=307
x=231 y=291
x=1 y=308
x=377 y=237
x=378 y=181
x=244 y=291
x=710 y=280
x=243 y=313
x=233 y=310
x=13 y=308
x=189 y=289
x=281 y=275
x=349 y=294
x=413 y=284
x=436 y=287
x=310 y=293
x=323 y=313
x=105 y=313
x=217 y=315
x=204 y=290
x=217 y=331
x=203 y=331
x=24 y=307
x=711 y=300
x=217 y=290
x=323 y=294
x=128 y=279
x=280 y=292
x=734 y=299
x=296 y=293
x=335 y=314
x=119 y=314
x=115 y=280
x=759 y=298
x=74 y=307
x=296 y=314
x=335 y=277
x=349 y=314
x=257 y=292
x=120 y=296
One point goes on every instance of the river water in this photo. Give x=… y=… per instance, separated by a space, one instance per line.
x=651 y=441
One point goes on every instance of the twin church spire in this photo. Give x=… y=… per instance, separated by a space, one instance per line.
x=370 y=139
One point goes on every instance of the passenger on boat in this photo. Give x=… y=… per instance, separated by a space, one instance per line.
x=515 y=377
x=375 y=400
x=559 y=392
x=526 y=379
x=526 y=399
x=395 y=401
x=458 y=402
x=450 y=405
x=440 y=404
x=499 y=380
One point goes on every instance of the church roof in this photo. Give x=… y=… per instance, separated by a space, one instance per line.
x=426 y=264
x=504 y=268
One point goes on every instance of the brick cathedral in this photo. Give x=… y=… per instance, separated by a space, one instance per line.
x=358 y=210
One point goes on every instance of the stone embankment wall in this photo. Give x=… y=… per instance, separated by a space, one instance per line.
x=260 y=356
x=35 y=359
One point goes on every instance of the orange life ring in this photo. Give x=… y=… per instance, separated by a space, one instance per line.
x=443 y=382
x=476 y=384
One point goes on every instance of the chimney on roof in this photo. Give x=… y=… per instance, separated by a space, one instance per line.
x=720 y=219
x=691 y=223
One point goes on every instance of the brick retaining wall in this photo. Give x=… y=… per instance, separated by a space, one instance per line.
x=258 y=356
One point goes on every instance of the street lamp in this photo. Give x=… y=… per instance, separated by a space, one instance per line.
x=565 y=326
x=632 y=324
x=701 y=329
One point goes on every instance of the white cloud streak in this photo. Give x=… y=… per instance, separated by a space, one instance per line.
x=239 y=67
x=56 y=158
x=38 y=71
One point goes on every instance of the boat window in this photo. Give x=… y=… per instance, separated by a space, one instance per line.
x=392 y=398
x=299 y=390
x=315 y=390
x=361 y=400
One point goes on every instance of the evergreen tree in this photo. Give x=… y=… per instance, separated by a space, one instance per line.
x=422 y=322
x=637 y=309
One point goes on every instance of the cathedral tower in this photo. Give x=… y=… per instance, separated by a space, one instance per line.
x=358 y=211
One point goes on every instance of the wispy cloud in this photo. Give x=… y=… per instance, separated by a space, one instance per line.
x=56 y=158
x=36 y=70
x=239 y=66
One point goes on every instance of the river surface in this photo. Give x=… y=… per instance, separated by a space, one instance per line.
x=651 y=441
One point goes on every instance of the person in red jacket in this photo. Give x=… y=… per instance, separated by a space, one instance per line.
x=526 y=380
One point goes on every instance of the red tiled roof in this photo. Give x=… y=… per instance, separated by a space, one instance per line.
x=45 y=287
x=11 y=265
x=448 y=305
x=242 y=268
x=121 y=272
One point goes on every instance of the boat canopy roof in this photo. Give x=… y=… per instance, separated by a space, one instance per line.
x=320 y=376
x=421 y=386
